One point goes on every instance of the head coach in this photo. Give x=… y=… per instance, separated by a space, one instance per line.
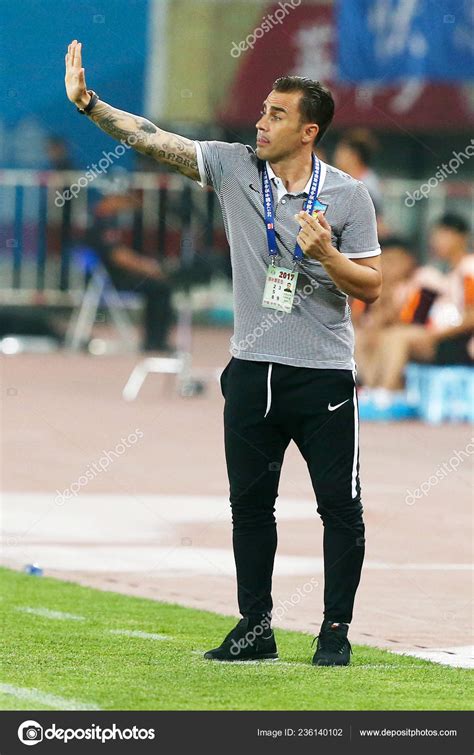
x=302 y=238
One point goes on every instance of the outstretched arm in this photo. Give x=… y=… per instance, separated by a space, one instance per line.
x=141 y=134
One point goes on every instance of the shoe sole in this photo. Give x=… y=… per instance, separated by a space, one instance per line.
x=267 y=657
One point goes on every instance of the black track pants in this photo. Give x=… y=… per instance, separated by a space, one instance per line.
x=266 y=406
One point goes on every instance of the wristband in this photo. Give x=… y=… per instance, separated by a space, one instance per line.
x=92 y=102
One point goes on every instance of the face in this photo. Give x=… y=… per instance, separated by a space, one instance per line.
x=397 y=264
x=344 y=158
x=444 y=241
x=280 y=132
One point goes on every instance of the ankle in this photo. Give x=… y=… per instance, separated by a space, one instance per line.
x=330 y=623
x=259 y=619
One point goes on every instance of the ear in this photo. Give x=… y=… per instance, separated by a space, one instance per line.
x=310 y=133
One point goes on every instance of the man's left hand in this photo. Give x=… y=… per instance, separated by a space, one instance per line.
x=314 y=237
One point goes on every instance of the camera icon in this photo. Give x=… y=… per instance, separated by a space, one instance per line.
x=30 y=732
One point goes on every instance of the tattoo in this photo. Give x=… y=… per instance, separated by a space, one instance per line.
x=148 y=127
x=141 y=134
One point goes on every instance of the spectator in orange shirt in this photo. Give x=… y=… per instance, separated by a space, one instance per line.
x=446 y=336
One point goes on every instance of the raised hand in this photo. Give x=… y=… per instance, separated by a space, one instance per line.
x=140 y=133
x=75 y=79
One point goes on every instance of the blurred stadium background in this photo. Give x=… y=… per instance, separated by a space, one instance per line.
x=131 y=495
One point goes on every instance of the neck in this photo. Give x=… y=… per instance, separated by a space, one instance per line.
x=456 y=255
x=358 y=171
x=294 y=171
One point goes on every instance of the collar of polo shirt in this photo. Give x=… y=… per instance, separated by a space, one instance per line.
x=280 y=186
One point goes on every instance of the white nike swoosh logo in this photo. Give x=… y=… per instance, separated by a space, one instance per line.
x=333 y=408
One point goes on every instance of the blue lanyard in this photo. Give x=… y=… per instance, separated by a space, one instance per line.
x=268 y=206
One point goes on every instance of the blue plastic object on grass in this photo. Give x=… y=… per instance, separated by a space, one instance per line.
x=34 y=570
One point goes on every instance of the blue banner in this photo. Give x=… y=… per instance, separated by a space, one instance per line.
x=391 y=40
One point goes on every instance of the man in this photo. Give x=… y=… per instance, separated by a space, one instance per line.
x=132 y=271
x=292 y=371
x=354 y=155
x=452 y=316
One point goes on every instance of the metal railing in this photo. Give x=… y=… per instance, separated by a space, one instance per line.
x=39 y=228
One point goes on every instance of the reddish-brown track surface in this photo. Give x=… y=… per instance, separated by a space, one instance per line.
x=60 y=412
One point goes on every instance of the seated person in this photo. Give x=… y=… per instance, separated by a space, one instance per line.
x=370 y=320
x=130 y=270
x=445 y=333
x=452 y=316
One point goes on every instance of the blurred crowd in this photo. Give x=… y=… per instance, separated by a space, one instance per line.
x=425 y=313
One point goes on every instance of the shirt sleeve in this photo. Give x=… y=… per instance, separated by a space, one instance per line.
x=217 y=160
x=359 y=234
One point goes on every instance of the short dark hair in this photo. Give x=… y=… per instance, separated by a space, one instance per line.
x=396 y=241
x=453 y=221
x=316 y=104
x=362 y=143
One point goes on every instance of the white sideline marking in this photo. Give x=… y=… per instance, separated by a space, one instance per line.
x=44 y=698
x=385 y=666
x=47 y=613
x=459 y=657
x=307 y=664
x=253 y=663
x=141 y=635
x=249 y=663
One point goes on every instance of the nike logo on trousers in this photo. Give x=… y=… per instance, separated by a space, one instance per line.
x=333 y=408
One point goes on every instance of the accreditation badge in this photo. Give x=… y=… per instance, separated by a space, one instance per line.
x=280 y=288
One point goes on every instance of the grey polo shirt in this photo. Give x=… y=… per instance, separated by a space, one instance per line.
x=318 y=331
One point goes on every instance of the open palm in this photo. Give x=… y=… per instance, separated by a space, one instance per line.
x=75 y=79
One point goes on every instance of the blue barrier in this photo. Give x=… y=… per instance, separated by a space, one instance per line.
x=380 y=405
x=441 y=394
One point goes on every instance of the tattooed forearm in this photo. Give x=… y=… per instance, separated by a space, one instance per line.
x=178 y=152
x=141 y=134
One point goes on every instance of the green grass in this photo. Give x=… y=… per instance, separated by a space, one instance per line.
x=80 y=660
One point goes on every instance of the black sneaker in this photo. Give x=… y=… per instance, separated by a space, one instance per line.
x=244 y=644
x=333 y=648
